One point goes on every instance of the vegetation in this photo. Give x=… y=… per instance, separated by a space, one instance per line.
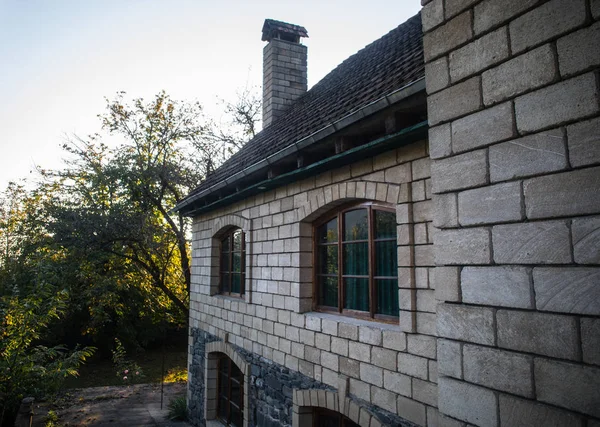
x=178 y=409
x=92 y=255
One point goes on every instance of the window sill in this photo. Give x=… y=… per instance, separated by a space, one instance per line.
x=231 y=298
x=355 y=321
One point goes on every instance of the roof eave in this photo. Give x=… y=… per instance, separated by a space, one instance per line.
x=340 y=124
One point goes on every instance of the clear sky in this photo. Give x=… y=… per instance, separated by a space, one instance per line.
x=60 y=58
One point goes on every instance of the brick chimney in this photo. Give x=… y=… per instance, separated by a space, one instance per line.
x=284 y=67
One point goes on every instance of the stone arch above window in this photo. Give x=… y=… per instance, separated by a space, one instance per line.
x=225 y=371
x=324 y=199
x=306 y=401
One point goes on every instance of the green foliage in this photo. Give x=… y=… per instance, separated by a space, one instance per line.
x=27 y=368
x=178 y=409
x=51 y=419
x=128 y=370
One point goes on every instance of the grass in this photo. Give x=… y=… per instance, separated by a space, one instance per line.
x=101 y=372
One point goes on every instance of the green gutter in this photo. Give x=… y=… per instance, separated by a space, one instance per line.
x=405 y=136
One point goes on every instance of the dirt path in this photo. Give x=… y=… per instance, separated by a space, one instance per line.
x=129 y=406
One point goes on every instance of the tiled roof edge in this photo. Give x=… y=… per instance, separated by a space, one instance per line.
x=371 y=108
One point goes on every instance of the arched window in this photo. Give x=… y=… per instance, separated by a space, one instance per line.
x=232 y=263
x=230 y=392
x=356 y=263
x=326 y=418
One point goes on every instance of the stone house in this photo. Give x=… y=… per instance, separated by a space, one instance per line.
x=416 y=239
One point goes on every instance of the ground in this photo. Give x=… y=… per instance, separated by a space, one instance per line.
x=136 y=405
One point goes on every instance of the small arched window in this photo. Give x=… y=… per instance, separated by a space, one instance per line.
x=230 y=392
x=356 y=262
x=232 y=263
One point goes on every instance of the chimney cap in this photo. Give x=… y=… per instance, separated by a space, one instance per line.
x=273 y=29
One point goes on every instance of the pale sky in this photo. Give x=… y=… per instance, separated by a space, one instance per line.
x=60 y=58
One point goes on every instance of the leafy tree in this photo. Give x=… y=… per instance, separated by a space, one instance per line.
x=27 y=369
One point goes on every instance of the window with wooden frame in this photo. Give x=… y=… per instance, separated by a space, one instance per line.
x=356 y=262
x=326 y=418
x=232 y=263
x=230 y=393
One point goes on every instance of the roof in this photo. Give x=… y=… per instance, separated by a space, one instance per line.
x=271 y=27
x=382 y=67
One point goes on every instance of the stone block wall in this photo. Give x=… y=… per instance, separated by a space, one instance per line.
x=388 y=371
x=514 y=112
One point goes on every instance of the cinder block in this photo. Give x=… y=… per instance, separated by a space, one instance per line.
x=464 y=246
x=568 y=100
x=491 y=204
x=584 y=142
x=521 y=412
x=456 y=6
x=521 y=74
x=471 y=403
x=466 y=323
x=567 y=290
x=455 y=101
x=579 y=51
x=563 y=194
x=590 y=340
x=568 y=385
x=371 y=374
x=447 y=284
x=384 y=358
x=398 y=383
x=412 y=410
x=449 y=357
x=425 y=391
x=445 y=210
x=422 y=345
x=411 y=365
x=369 y=335
x=544 y=242
x=497 y=286
x=483 y=128
x=432 y=15
x=545 y=22
x=440 y=141
x=586 y=240
x=531 y=155
x=540 y=333
x=349 y=367
x=384 y=399
x=437 y=76
x=460 y=172
x=394 y=340
x=490 y=13
x=446 y=37
x=479 y=54
x=498 y=369
x=359 y=351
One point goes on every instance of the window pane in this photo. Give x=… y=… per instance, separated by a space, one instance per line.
x=237 y=240
x=236 y=394
x=386 y=258
x=356 y=259
x=236 y=283
x=328 y=288
x=357 y=294
x=237 y=262
x=328 y=259
x=387 y=296
x=356 y=226
x=223 y=408
x=385 y=224
x=224 y=282
x=328 y=233
x=327 y=420
x=225 y=244
x=225 y=262
x=236 y=417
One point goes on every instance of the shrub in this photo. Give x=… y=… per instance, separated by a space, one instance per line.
x=178 y=409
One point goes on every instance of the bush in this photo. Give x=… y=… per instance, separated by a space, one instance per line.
x=127 y=369
x=178 y=409
x=27 y=369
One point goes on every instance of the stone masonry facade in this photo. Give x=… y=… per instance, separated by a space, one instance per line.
x=376 y=373
x=514 y=139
